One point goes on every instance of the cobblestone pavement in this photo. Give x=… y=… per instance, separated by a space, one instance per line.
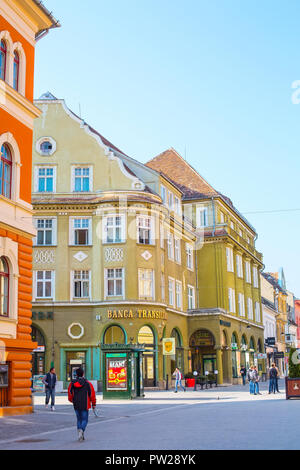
x=218 y=418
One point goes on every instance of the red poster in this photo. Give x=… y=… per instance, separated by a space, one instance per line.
x=116 y=373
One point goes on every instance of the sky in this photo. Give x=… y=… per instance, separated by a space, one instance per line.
x=212 y=79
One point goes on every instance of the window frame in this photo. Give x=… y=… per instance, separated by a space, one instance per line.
x=142 y=281
x=189 y=256
x=191 y=297
x=6 y=163
x=114 y=227
x=82 y=176
x=37 y=178
x=44 y=281
x=114 y=279
x=73 y=229
x=6 y=281
x=53 y=230
x=81 y=280
x=150 y=228
x=4 y=52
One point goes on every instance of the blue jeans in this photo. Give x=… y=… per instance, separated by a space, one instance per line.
x=50 y=393
x=244 y=379
x=178 y=382
x=254 y=387
x=272 y=385
x=82 y=419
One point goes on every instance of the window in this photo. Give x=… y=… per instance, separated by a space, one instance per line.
x=46 y=179
x=191 y=297
x=202 y=217
x=81 y=284
x=46 y=232
x=232 y=225
x=163 y=193
x=241 y=302
x=114 y=282
x=81 y=232
x=177 y=250
x=4 y=287
x=250 y=308
x=239 y=266
x=257 y=312
x=146 y=284
x=82 y=179
x=179 y=294
x=44 y=284
x=46 y=147
x=114 y=229
x=222 y=217
x=16 y=71
x=145 y=227
x=229 y=257
x=231 y=300
x=248 y=271
x=162 y=236
x=5 y=171
x=171 y=292
x=170 y=243
x=255 y=276
x=189 y=256
x=3 y=58
x=177 y=205
x=171 y=201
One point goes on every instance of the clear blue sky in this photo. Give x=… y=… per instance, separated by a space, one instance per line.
x=213 y=79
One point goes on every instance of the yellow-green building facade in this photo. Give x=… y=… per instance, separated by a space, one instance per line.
x=125 y=253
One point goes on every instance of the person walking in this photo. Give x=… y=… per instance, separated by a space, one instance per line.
x=251 y=377
x=50 y=382
x=277 y=379
x=272 y=379
x=178 y=378
x=256 y=381
x=82 y=394
x=243 y=373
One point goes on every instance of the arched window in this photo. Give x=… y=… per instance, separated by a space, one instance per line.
x=3 y=57
x=114 y=334
x=16 y=71
x=4 y=287
x=5 y=171
x=146 y=336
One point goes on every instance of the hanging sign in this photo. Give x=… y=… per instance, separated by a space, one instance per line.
x=169 y=347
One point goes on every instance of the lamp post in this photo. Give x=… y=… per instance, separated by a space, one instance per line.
x=195 y=373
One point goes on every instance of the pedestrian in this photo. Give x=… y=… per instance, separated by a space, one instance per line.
x=50 y=382
x=178 y=378
x=256 y=380
x=277 y=379
x=243 y=373
x=82 y=394
x=250 y=377
x=272 y=379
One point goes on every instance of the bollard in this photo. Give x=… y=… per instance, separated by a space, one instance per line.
x=167 y=382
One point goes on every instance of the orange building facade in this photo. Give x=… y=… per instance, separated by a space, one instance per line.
x=22 y=23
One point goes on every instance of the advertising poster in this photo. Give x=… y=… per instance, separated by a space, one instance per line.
x=38 y=385
x=169 y=347
x=116 y=370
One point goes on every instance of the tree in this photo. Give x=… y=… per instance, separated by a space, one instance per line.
x=294 y=363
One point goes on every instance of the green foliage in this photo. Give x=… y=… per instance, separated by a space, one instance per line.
x=294 y=369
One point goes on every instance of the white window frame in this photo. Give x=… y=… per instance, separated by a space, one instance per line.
x=73 y=280
x=231 y=300
x=146 y=275
x=191 y=297
x=250 y=308
x=170 y=245
x=115 y=278
x=255 y=276
x=151 y=229
x=36 y=178
x=171 y=292
x=229 y=258
x=241 y=303
x=177 y=250
x=44 y=281
x=202 y=217
x=248 y=271
x=73 y=177
x=53 y=230
x=162 y=236
x=239 y=266
x=72 y=229
x=189 y=256
x=177 y=205
x=257 y=312
x=178 y=294
x=105 y=219
x=163 y=194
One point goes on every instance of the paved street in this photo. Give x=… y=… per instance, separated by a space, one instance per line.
x=222 y=418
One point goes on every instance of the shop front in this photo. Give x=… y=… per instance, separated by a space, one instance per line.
x=202 y=352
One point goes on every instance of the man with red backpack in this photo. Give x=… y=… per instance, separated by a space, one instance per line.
x=178 y=378
x=82 y=394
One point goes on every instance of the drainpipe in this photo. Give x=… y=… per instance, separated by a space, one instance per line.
x=214 y=215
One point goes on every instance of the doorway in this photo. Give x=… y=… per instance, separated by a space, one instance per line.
x=146 y=337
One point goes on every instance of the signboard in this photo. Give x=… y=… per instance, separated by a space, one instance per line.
x=261 y=356
x=39 y=349
x=279 y=355
x=38 y=385
x=234 y=346
x=116 y=371
x=169 y=347
x=271 y=341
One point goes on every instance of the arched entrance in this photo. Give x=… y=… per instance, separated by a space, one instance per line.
x=252 y=350
x=147 y=337
x=203 y=354
x=38 y=355
x=179 y=355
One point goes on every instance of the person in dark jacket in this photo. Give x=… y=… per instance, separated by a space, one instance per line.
x=50 y=382
x=273 y=374
x=243 y=372
x=82 y=394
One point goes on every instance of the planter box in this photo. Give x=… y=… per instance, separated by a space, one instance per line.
x=190 y=383
x=292 y=388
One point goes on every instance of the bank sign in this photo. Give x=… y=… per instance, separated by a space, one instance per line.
x=139 y=313
x=116 y=372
